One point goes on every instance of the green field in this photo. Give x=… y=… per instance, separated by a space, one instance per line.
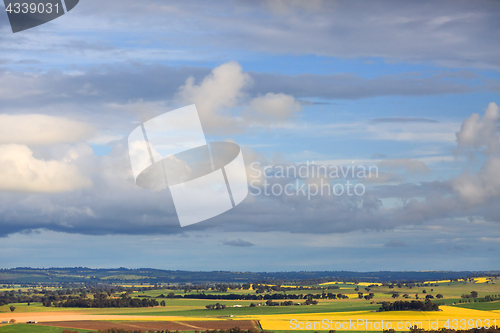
x=485 y=306
x=195 y=308
x=25 y=328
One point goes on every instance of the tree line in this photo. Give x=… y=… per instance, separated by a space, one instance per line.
x=102 y=301
x=413 y=305
x=254 y=297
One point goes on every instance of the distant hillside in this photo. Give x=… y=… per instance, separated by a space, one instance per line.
x=151 y=276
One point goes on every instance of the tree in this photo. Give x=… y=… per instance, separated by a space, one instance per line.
x=171 y=295
x=439 y=296
x=473 y=294
x=12 y=308
x=162 y=303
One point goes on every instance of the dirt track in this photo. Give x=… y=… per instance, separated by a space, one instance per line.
x=68 y=316
x=78 y=320
x=156 y=325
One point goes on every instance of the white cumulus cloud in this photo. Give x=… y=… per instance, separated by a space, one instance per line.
x=39 y=129
x=480 y=132
x=20 y=171
x=218 y=92
x=275 y=106
x=222 y=104
x=477 y=188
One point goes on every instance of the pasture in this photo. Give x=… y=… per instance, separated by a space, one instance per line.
x=271 y=318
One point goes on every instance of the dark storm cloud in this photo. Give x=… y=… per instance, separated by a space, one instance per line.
x=115 y=205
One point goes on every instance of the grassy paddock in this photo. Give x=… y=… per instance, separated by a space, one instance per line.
x=24 y=328
x=484 y=306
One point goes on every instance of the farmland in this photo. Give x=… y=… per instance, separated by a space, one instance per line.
x=338 y=303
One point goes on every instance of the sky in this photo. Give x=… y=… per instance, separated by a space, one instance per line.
x=409 y=90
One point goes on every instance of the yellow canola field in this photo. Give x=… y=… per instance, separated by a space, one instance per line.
x=364 y=284
x=476 y=280
x=440 y=281
x=378 y=321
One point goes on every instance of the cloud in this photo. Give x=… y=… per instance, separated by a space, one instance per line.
x=410 y=165
x=284 y=7
x=22 y=172
x=452 y=34
x=395 y=243
x=350 y=86
x=403 y=120
x=481 y=132
x=490 y=239
x=476 y=188
x=237 y=242
x=412 y=131
x=94 y=87
x=39 y=129
x=275 y=106
x=221 y=94
x=216 y=94
x=115 y=205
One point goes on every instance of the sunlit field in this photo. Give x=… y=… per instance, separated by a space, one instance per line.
x=297 y=317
